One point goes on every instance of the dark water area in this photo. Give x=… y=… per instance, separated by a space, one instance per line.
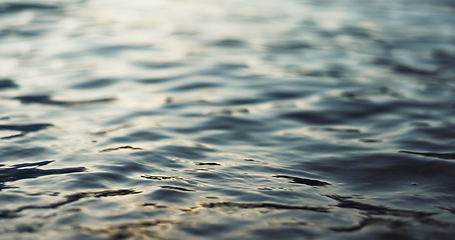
x=197 y=119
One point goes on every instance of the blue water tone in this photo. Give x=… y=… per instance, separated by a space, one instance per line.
x=228 y=119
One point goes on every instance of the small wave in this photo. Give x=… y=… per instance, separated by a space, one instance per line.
x=68 y=199
x=432 y=154
x=120 y=148
x=262 y=205
x=305 y=181
x=7 y=83
x=46 y=100
x=178 y=188
x=23 y=129
x=133 y=230
x=160 y=178
x=13 y=7
x=19 y=172
x=345 y=202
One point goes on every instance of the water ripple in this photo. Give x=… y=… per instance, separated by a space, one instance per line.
x=292 y=119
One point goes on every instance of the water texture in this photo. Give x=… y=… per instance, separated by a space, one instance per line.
x=198 y=119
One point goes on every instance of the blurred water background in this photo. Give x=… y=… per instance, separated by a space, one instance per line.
x=228 y=119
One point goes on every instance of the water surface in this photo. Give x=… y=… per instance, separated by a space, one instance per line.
x=197 y=119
